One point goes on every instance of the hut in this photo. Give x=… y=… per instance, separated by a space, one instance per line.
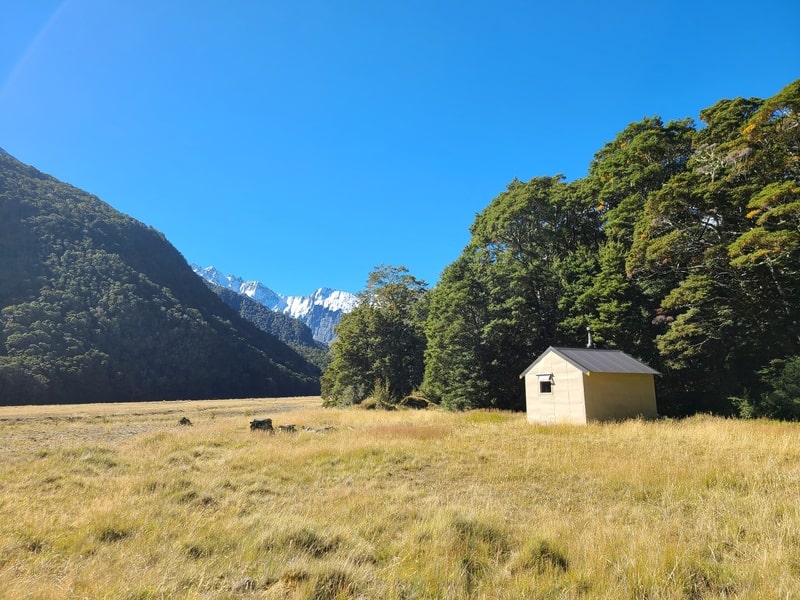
x=577 y=385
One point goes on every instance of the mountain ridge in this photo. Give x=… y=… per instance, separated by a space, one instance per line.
x=99 y=307
x=321 y=310
x=289 y=330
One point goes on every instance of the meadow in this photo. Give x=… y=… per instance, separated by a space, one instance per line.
x=120 y=501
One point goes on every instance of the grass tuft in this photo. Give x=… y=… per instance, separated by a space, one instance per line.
x=480 y=538
x=305 y=540
x=112 y=535
x=539 y=555
x=334 y=584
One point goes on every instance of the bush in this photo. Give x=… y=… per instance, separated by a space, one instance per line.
x=782 y=401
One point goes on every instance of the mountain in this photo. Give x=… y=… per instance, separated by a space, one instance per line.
x=287 y=329
x=321 y=311
x=97 y=307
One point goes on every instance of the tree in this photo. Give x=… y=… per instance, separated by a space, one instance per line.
x=716 y=249
x=381 y=343
x=766 y=253
x=456 y=349
x=640 y=160
x=610 y=302
x=681 y=246
x=498 y=305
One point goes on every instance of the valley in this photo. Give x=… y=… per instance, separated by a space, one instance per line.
x=120 y=501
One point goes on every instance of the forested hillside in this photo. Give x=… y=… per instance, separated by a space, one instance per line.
x=97 y=307
x=681 y=246
x=289 y=330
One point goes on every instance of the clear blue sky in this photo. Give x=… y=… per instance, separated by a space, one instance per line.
x=303 y=142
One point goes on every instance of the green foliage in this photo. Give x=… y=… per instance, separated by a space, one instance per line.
x=96 y=307
x=381 y=396
x=499 y=304
x=380 y=344
x=643 y=157
x=453 y=357
x=782 y=398
x=681 y=247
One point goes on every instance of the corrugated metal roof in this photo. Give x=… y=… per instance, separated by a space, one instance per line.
x=592 y=360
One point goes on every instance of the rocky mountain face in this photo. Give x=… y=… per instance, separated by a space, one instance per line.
x=321 y=311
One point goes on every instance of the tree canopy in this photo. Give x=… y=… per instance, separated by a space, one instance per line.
x=681 y=246
x=380 y=344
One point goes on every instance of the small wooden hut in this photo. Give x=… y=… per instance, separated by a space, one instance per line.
x=577 y=385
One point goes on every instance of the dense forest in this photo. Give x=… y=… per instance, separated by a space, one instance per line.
x=681 y=246
x=97 y=307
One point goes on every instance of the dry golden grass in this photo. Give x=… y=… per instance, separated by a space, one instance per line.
x=119 y=501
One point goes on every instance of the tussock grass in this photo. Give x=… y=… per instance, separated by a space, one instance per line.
x=125 y=503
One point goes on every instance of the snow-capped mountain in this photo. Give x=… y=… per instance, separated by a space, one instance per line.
x=321 y=311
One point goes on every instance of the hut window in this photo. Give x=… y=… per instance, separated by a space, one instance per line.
x=545 y=383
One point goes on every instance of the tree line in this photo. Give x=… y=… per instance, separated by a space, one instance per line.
x=681 y=246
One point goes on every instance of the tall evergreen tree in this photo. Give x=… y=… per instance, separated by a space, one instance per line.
x=380 y=344
x=723 y=270
x=499 y=304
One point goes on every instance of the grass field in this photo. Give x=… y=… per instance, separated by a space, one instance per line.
x=119 y=501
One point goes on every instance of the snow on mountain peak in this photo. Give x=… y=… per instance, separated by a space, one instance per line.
x=216 y=277
x=335 y=299
x=321 y=311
